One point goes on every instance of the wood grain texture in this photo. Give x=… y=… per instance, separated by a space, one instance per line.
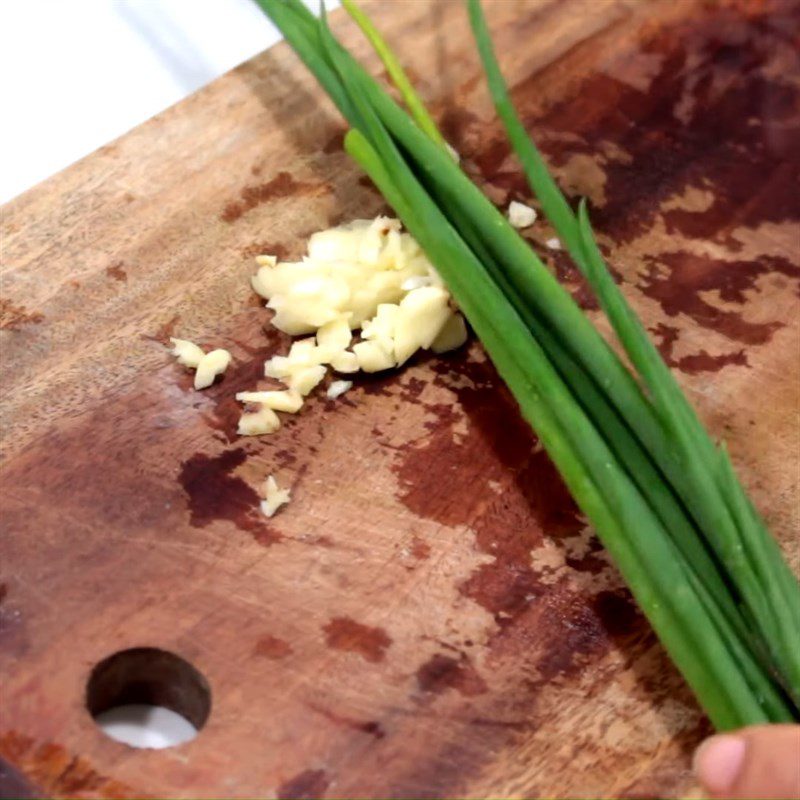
x=430 y=617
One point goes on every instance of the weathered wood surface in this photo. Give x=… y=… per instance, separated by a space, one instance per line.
x=430 y=617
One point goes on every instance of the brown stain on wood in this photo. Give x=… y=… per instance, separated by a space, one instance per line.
x=695 y=363
x=273 y=648
x=282 y=185
x=344 y=633
x=58 y=772
x=441 y=672
x=13 y=317
x=689 y=276
x=715 y=113
x=307 y=785
x=213 y=494
x=369 y=727
x=420 y=549
x=165 y=331
x=265 y=248
x=117 y=271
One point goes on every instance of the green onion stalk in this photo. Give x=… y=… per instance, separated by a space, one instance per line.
x=662 y=496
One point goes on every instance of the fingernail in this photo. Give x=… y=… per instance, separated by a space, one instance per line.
x=718 y=762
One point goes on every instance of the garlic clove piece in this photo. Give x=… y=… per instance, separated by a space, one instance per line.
x=211 y=365
x=285 y=400
x=304 y=380
x=372 y=356
x=345 y=362
x=258 y=423
x=452 y=335
x=423 y=312
x=187 y=353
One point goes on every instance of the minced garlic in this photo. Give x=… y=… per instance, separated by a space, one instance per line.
x=274 y=497
x=287 y=401
x=368 y=275
x=187 y=353
x=520 y=215
x=206 y=365
x=338 y=388
x=257 y=423
x=211 y=365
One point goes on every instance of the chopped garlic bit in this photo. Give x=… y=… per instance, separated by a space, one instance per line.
x=265 y=420
x=345 y=362
x=416 y=282
x=452 y=335
x=373 y=357
x=338 y=388
x=211 y=365
x=206 y=365
x=275 y=497
x=520 y=215
x=334 y=336
x=422 y=314
x=305 y=379
x=287 y=401
x=187 y=353
x=554 y=243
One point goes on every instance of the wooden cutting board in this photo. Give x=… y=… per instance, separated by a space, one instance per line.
x=431 y=616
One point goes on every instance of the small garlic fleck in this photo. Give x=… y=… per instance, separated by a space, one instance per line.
x=554 y=243
x=520 y=215
x=338 y=388
x=275 y=497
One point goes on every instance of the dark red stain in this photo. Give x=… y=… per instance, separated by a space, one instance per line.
x=569 y=275
x=117 y=272
x=689 y=275
x=501 y=447
x=420 y=549
x=371 y=727
x=272 y=647
x=255 y=170
x=13 y=631
x=344 y=633
x=214 y=493
x=580 y=634
x=308 y=785
x=442 y=672
x=667 y=336
x=265 y=248
x=282 y=185
x=286 y=458
x=335 y=143
x=617 y=613
x=718 y=115
x=164 y=332
x=547 y=628
x=13 y=317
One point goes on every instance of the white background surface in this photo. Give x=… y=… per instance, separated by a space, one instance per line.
x=75 y=74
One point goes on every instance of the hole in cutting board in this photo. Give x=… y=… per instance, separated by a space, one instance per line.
x=146 y=697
